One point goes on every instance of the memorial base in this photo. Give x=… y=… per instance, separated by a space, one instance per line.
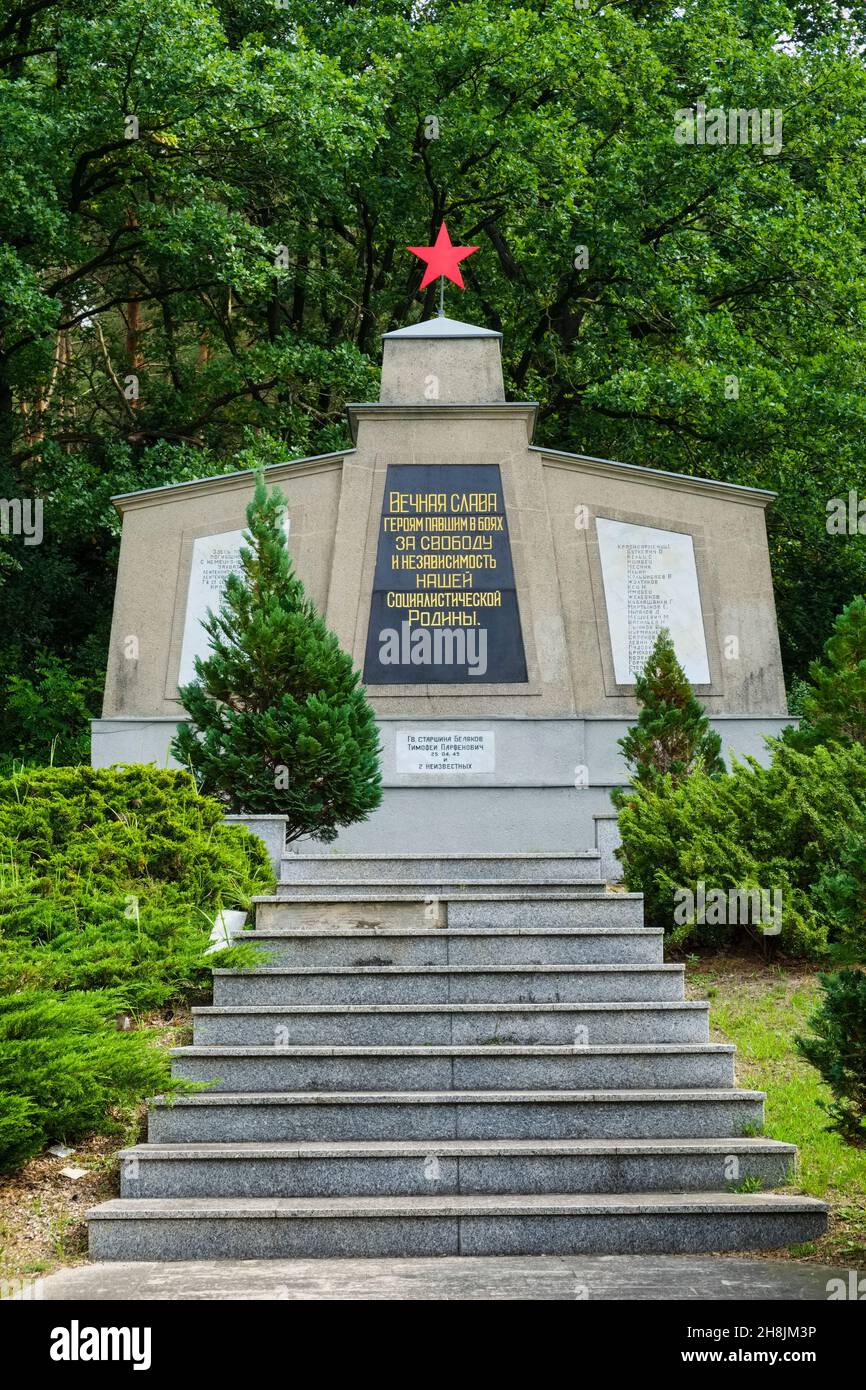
x=528 y=784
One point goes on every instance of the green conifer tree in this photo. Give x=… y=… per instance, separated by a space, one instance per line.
x=279 y=723
x=673 y=734
x=833 y=701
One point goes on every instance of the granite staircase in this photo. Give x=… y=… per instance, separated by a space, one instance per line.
x=477 y=1055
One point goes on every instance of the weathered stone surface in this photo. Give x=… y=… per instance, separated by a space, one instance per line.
x=457 y=985
x=430 y=1115
x=473 y=983
x=264 y=1228
x=460 y=946
x=449 y=1166
x=367 y=1025
x=377 y=869
x=534 y=906
x=653 y=1278
x=565 y=708
x=616 y=1066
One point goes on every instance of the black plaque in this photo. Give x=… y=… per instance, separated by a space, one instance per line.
x=444 y=608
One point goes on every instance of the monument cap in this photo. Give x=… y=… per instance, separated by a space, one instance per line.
x=442 y=327
x=441 y=360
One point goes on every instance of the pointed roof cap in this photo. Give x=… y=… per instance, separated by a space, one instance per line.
x=442 y=327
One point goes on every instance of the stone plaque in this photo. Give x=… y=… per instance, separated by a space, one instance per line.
x=444 y=605
x=650 y=582
x=214 y=558
x=446 y=750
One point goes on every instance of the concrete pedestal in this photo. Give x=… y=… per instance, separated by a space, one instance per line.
x=550 y=783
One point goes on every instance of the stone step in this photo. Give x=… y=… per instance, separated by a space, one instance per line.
x=380 y=869
x=352 y=890
x=427 y=1116
x=365 y=1025
x=343 y=907
x=617 y=1067
x=451 y=1166
x=313 y=1227
x=460 y=946
x=579 y=984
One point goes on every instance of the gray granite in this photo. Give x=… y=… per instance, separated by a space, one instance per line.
x=615 y=1066
x=446 y=889
x=441 y=1024
x=266 y=1238
x=608 y=841
x=686 y=1232
x=449 y=1166
x=271 y=830
x=615 y=910
x=365 y=1096
x=457 y=985
x=453 y=869
x=536 y=906
x=428 y=1115
x=444 y=947
x=261 y=1228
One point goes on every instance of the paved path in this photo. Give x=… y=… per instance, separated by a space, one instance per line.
x=599 y=1277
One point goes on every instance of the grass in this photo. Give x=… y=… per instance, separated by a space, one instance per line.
x=760 y=1008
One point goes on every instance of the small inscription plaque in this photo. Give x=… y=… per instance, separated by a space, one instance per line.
x=446 y=750
x=214 y=558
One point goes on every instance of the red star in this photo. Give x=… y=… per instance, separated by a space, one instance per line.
x=442 y=258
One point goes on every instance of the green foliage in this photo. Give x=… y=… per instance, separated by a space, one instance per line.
x=837 y=1047
x=65 y=1069
x=673 y=736
x=111 y=879
x=833 y=702
x=48 y=711
x=790 y=826
x=133 y=830
x=840 y=894
x=278 y=720
x=304 y=126
x=797 y=692
x=109 y=883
